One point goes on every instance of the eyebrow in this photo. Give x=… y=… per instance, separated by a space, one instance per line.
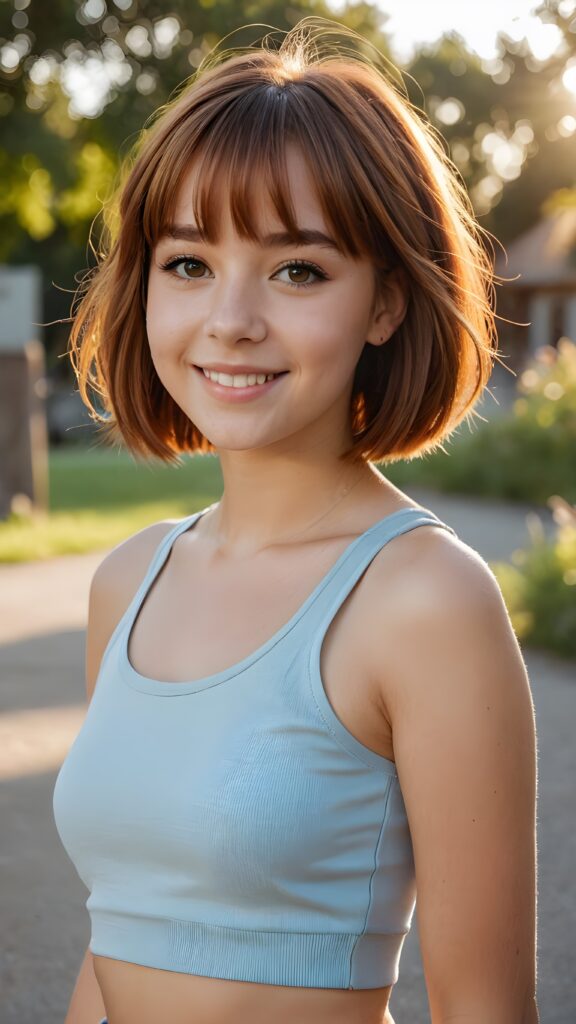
x=306 y=236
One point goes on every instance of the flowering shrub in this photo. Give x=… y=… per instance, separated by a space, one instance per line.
x=539 y=587
x=525 y=456
x=548 y=387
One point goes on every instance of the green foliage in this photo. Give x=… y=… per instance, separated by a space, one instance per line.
x=95 y=171
x=78 y=80
x=549 y=387
x=28 y=195
x=540 y=588
x=527 y=456
x=59 y=151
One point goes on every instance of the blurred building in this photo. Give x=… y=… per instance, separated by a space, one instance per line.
x=542 y=295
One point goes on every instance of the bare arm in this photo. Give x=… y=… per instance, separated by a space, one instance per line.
x=457 y=695
x=113 y=586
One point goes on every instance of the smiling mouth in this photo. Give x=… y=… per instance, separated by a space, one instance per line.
x=239 y=380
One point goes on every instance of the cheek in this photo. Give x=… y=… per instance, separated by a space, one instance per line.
x=159 y=348
x=164 y=351
x=166 y=308
x=164 y=322
x=333 y=338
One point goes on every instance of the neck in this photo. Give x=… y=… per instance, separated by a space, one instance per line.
x=266 y=502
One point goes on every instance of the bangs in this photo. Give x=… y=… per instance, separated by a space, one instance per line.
x=240 y=156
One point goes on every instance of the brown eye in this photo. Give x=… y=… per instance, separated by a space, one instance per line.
x=301 y=275
x=193 y=269
x=298 y=273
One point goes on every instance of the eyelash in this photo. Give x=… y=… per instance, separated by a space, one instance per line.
x=171 y=264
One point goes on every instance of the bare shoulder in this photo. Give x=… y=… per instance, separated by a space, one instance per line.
x=126 y=563
x=452 y=647
x=113 y=586
x=427 y=592
x=455 y=690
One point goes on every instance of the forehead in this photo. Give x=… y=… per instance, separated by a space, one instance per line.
x=272 y=157
x=264 y=214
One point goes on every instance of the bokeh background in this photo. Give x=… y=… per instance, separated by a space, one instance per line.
x=78 y=80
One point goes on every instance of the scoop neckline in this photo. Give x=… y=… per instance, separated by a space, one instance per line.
x=157 y=687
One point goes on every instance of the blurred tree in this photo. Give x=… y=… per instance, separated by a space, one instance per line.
x=78 y=80
x=510 y=122
x=543 y=94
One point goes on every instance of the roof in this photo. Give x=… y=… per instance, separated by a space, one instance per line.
x=543 y=255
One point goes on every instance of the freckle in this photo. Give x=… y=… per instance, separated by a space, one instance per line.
x=494 y=790
x=517 y=950
x=487 y=707
x=473 y=819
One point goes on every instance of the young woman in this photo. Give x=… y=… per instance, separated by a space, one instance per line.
x=307 y=702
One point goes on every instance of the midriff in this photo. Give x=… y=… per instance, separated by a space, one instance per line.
x=134 y=994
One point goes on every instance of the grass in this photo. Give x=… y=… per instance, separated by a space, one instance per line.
x=98 y=497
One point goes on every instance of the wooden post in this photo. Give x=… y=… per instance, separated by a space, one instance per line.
x=23 y=433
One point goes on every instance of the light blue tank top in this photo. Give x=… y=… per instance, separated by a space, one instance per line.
x=232 y=826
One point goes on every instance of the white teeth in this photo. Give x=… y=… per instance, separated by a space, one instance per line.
x=239 y=380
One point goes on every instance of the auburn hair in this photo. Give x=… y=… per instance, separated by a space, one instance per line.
x=388 y=192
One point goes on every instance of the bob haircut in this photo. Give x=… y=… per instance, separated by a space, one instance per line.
x=387 y=191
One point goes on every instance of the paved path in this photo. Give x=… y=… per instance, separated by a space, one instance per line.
x=44 y=927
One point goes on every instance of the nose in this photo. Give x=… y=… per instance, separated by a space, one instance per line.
x=235 y=313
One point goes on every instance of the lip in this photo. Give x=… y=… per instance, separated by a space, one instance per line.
x=233 y=395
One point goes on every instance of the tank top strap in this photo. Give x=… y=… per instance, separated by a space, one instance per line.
x=157 y=561
x=356 y=558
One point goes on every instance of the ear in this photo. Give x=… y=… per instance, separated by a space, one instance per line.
x=389 y=308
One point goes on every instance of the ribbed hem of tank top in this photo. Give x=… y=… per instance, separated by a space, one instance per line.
x=299 y=959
